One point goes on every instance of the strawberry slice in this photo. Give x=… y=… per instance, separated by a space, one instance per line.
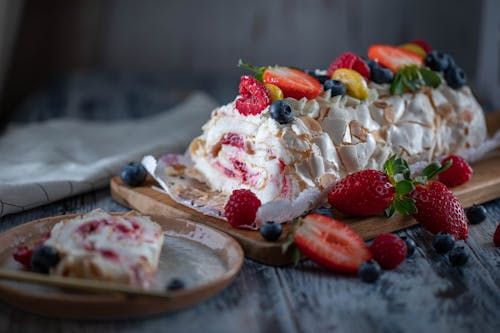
x=331 y=244
x=393 y=57
x=293 y=82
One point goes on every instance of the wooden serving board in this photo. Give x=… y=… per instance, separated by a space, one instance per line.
x=484 y=186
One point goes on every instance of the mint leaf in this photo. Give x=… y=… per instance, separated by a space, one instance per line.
x=430 y=78
x=259 y=71
x=404 y=187
x=412 y=78
x=397 y=84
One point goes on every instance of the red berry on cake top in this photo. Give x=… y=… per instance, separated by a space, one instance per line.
x=254 y=96
x=352 y=61
x=393 y=57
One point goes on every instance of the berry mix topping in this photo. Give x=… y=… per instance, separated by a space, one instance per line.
x=406 y=68
x=352 y=61
x=254 y=96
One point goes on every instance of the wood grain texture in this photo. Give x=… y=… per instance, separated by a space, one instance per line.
x=484 y=186
x=424 y=294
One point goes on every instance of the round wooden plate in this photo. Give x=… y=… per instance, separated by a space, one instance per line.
x=204 y=258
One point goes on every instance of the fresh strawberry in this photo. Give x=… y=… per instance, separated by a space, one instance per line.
x=415 y=48
x=350 y=60
x=438 y=210
x=331 y=244
x=393 y=57
x=458 y=173
x=241 y=209
x=388 y=250
x=363 y=193
x=22 y=254
x=423 y=44
x=293 y=82
x=254 y=96
x=496 y=236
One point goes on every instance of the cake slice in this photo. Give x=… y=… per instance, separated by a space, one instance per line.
x=118 y=248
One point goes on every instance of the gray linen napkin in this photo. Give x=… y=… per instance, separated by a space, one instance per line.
x=48 y=161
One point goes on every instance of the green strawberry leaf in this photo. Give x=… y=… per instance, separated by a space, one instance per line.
x=389 y=212
x=430 y=170
x=433 y=169
x=404 y=205
x=404 y=187
x=259 y=71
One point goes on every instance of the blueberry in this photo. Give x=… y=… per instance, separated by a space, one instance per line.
x=175 y=284
x=281 y=111
x=44 y=257
x=455 y=77
x=369 y=271
x=271 y=231
x=381 y=75
x=133 y=174
x=443 y=242
x=410 y=246
x=319 y=77
x=372 y=64
x=337 y=87
x=476 y=214
x=324 y=211
x=458 y=256
x=437 y=61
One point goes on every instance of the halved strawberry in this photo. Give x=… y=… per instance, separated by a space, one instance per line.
x=331 y=244
x=393 y=57
x=293 y=82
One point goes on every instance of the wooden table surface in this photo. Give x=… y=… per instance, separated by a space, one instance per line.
x=424 y=294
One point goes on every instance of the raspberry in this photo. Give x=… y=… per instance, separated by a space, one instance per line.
x=241 y=209
x=22 y=254
x=496 y=236
x=350 y=60
x=388 y=250
x=254 y=96
x=458 y=173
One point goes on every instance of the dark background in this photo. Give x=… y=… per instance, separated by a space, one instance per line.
x=152 y=52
